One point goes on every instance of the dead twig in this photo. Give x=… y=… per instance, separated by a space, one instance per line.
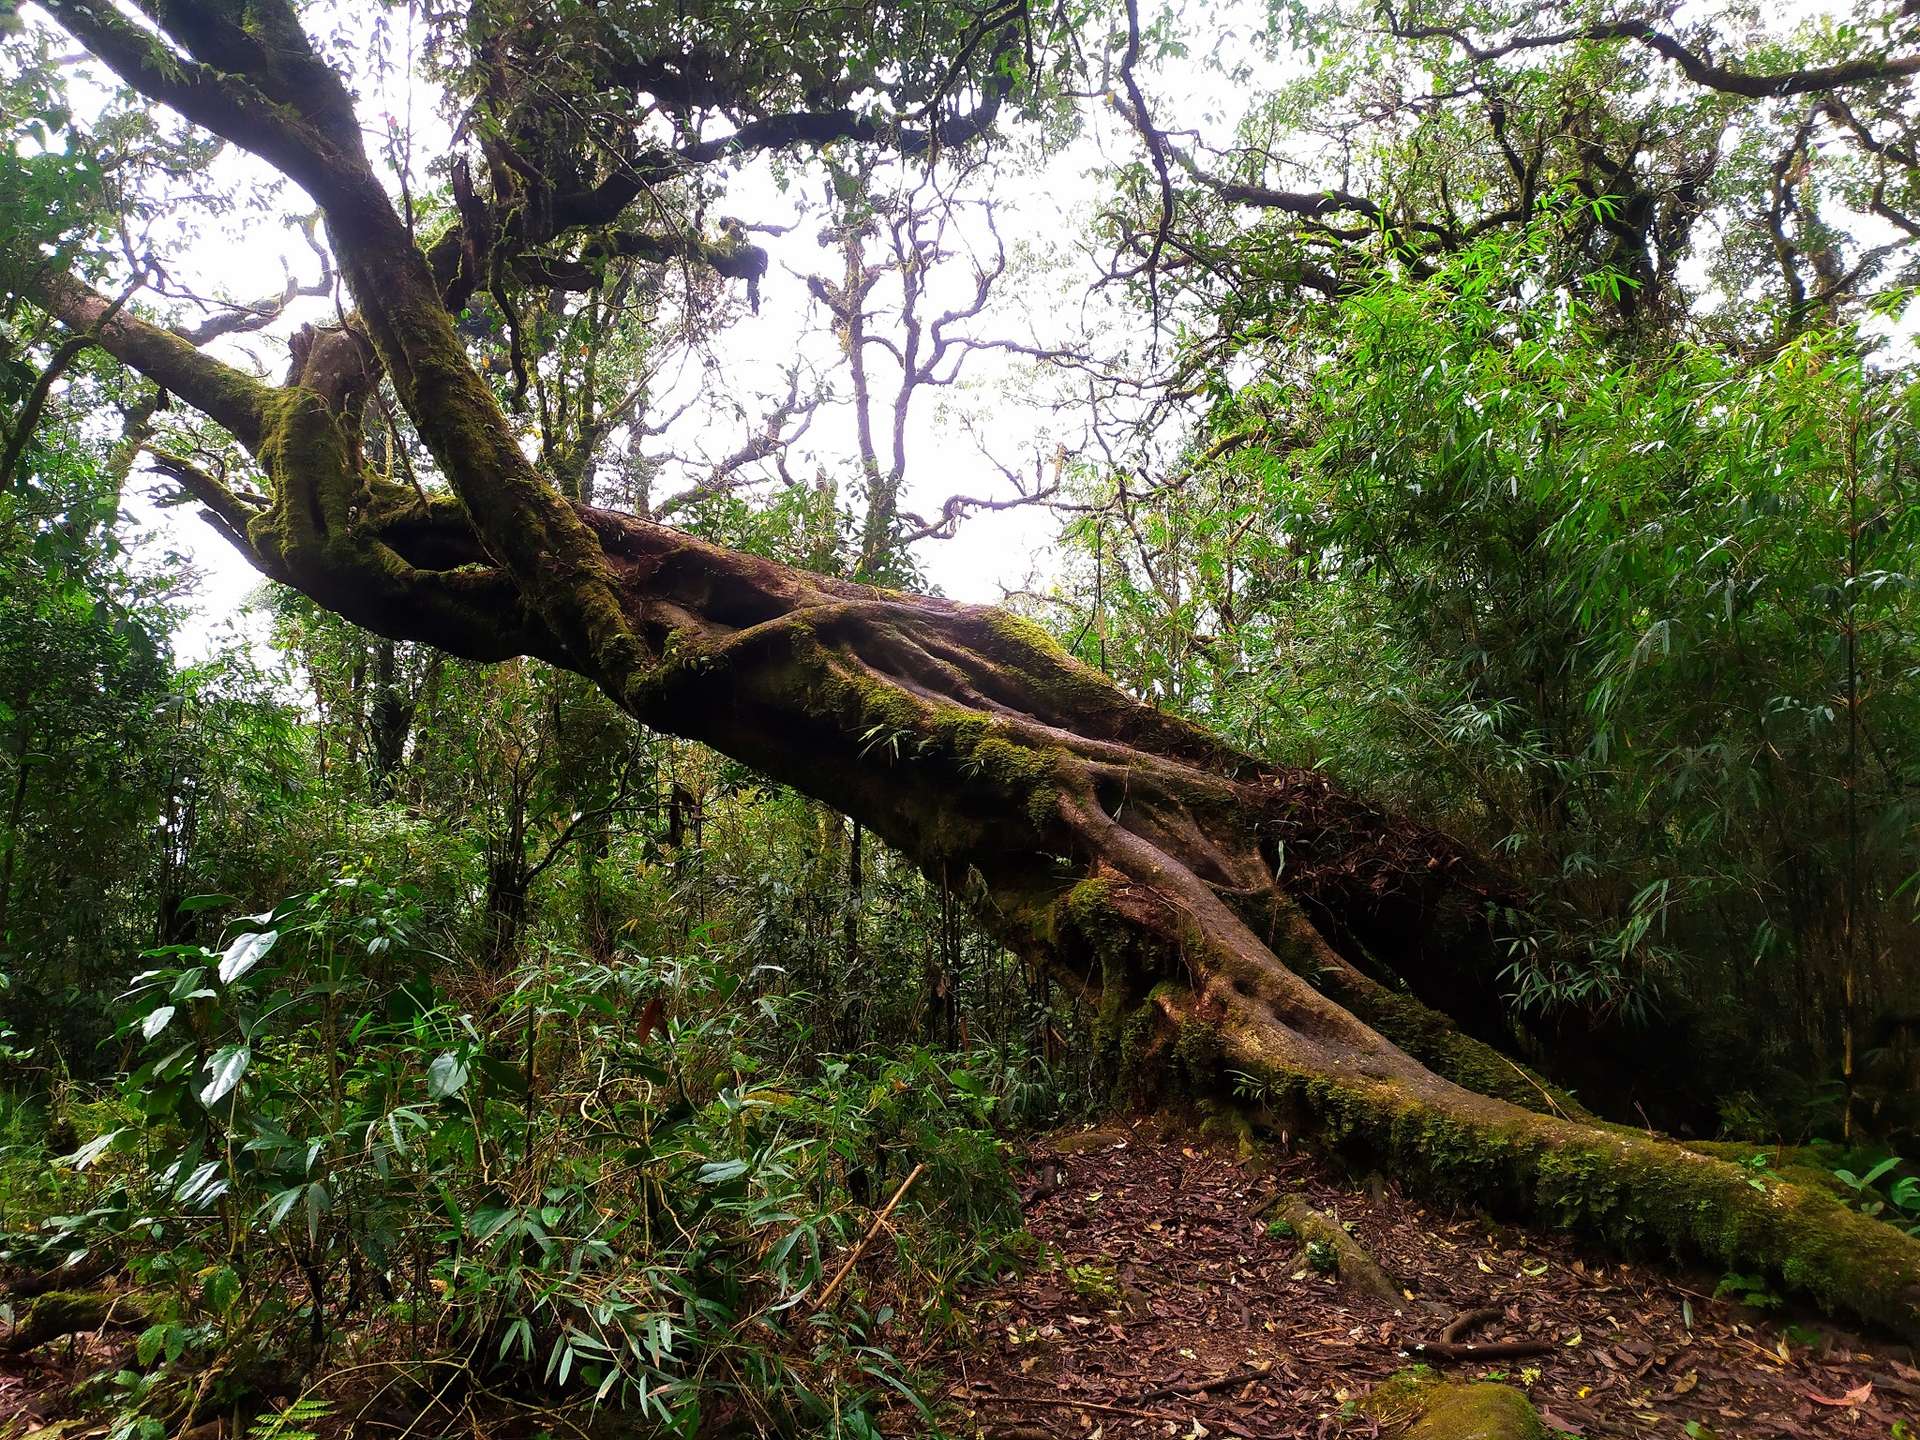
x=867 y=1239
x=1069 y=1402
x=1201 y=1387
x=1493 y=1350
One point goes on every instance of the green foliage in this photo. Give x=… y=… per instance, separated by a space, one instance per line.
x=290 y=1423
x=1898 y=1202
x=1095 y=1282
x=1748 y=1290
x=1322 y=1258
x=1639 y=621
x=599 y=1181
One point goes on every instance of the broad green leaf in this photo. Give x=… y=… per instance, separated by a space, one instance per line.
x=224 y=1070
x=281 y=1205
x=92 y=1150
x=220 y=1289
x=718 y=1172
x=245 y=953
x=318 y=1203
x=446 y=1076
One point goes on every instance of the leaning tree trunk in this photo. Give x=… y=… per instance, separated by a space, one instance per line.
x=1213 y=906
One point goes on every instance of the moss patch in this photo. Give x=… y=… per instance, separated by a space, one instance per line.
x=70 y=1312
x=1419 y=1405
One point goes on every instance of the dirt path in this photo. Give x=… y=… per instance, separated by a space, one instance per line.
x=1157 y=1274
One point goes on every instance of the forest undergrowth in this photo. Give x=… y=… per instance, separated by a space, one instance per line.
x=340 y=1178
x=346 y=1187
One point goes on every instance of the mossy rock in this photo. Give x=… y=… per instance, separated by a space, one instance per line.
x=1417 y=1404
x=1081 y=1142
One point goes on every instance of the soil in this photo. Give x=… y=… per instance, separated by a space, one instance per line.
x=1157 y=1275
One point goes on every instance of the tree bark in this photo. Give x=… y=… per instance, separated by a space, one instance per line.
x=1222 y=914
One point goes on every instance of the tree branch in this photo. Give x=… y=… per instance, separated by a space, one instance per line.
x=1694 y=66
x=233 y=398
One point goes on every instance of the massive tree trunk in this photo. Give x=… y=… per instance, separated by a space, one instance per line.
x=1224 y=914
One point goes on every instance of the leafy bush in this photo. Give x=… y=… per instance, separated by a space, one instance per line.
x=581 y=1182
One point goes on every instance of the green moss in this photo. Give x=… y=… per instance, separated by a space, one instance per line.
x=1089 y=905
x=1399 y=1399
x=1228 y=1125
x=69 y=1312
x=1810 y=1165
x=1122 y=1040
x=1196 y=1053
x=884 y=704
x=1014 y=765
x=1419 y=1405
x=1025 y=634
x=1637 y=1193
x=1436 y=1042
x=961 y=730
x=1478 y=1412
x=1052 y=673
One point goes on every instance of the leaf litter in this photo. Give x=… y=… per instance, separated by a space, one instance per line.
x=1163 y=1304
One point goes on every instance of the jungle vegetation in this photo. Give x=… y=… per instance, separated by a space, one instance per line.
x=1469 y=717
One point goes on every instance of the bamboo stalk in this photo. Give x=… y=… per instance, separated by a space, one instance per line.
x=867 y=1239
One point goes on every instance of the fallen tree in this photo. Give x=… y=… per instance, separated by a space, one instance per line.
x=1224 y=916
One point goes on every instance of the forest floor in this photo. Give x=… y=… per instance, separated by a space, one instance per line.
x=1161 y=1307
x=1158 y=1276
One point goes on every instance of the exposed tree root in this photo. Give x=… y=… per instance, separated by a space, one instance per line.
x=1353 y=1265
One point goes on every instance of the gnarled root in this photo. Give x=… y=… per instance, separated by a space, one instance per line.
x=1635 y=1191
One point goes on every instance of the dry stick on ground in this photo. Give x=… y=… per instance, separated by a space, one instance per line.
x=1450 y=1347
x=1072 y=1404
x=867 y=1239
x=1492 y=1350
x=1201 y=1387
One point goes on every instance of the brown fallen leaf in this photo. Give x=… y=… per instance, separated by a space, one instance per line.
x=1857 y=1396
